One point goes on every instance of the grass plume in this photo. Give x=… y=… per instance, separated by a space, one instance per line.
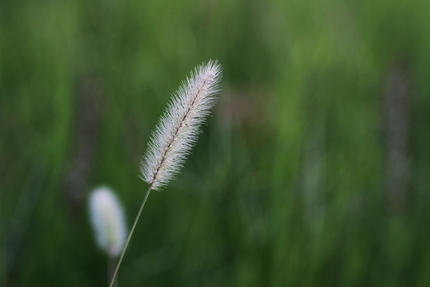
x=177 y=131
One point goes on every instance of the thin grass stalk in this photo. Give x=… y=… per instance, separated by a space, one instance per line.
x=111 y=268
x=129 y=236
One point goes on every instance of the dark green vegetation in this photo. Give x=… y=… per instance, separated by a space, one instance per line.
x=314 y=169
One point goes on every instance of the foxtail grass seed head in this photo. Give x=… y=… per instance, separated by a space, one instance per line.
x=107 y=218
x=178 y=128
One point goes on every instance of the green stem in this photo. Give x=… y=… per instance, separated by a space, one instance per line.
x=111 y=269
x=129 y=235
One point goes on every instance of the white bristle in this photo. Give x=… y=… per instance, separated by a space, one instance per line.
x=177 y=131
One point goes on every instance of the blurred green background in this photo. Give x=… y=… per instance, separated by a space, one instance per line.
x=314 y=169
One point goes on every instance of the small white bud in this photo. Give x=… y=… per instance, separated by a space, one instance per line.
x=108 y=222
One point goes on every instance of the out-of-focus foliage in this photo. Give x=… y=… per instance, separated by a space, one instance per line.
x=314 y=169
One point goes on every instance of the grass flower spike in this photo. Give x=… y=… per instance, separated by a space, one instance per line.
x=177 y=132
x=107 y=218
x=179 y=127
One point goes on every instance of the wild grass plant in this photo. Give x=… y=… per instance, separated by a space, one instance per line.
x=177 y=132
x=108 y=221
